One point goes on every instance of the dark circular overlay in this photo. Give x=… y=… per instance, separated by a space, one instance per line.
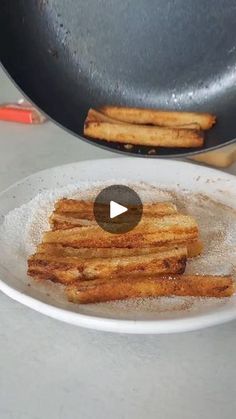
x=121 y=195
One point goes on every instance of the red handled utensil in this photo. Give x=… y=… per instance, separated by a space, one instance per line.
x=21 y=112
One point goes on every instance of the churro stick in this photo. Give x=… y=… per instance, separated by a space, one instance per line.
x=202 y=121
x=59 y=222
x=174 y=228
x=192 y=125
x=70 y=269
x=144 y=135
x=64 y=221
x=71 y=213
x=86 y=207
x=193 y=248
x=96 y=116
x=178 y=285
x=74 y=206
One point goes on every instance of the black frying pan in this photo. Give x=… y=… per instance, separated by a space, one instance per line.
x=69 y=55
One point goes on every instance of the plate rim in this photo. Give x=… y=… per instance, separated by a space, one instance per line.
x=164 y=326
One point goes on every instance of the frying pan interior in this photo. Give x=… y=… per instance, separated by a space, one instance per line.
x=69 y=55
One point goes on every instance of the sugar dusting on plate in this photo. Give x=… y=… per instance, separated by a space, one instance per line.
x=23 y=227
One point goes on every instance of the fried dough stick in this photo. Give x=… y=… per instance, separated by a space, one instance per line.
x=86 y=207
x=69 y=269
x=66 y=221
x=178 y=285
x=193 y=248
x=175 y=228
x=203 y=121
x=144 y=135
x=96 y=116
x=72 y=213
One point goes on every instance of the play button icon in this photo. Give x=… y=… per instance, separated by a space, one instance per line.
x=117 y=209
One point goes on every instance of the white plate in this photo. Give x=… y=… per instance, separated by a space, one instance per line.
x=168 y=174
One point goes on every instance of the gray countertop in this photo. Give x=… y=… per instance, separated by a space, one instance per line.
x=53 y=370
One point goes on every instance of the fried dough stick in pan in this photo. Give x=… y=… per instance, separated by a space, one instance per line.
x=201 y=121
x=144 y=135
x=96 y=116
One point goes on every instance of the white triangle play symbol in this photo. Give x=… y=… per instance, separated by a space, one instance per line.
x=116 y=209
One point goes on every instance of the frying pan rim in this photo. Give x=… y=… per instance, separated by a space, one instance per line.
x=107 y=147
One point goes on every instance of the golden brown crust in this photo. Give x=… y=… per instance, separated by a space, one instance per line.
x=202 y=121
x=132 y=263
x=70 y=269
x=96 y=116
x=120 y=289
x=64 y=222
x=194 y=249
x=144 y=135
x=84 y=209
x=135 y=240
x=74 y=205
x=175 y=228
x=71 y=213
